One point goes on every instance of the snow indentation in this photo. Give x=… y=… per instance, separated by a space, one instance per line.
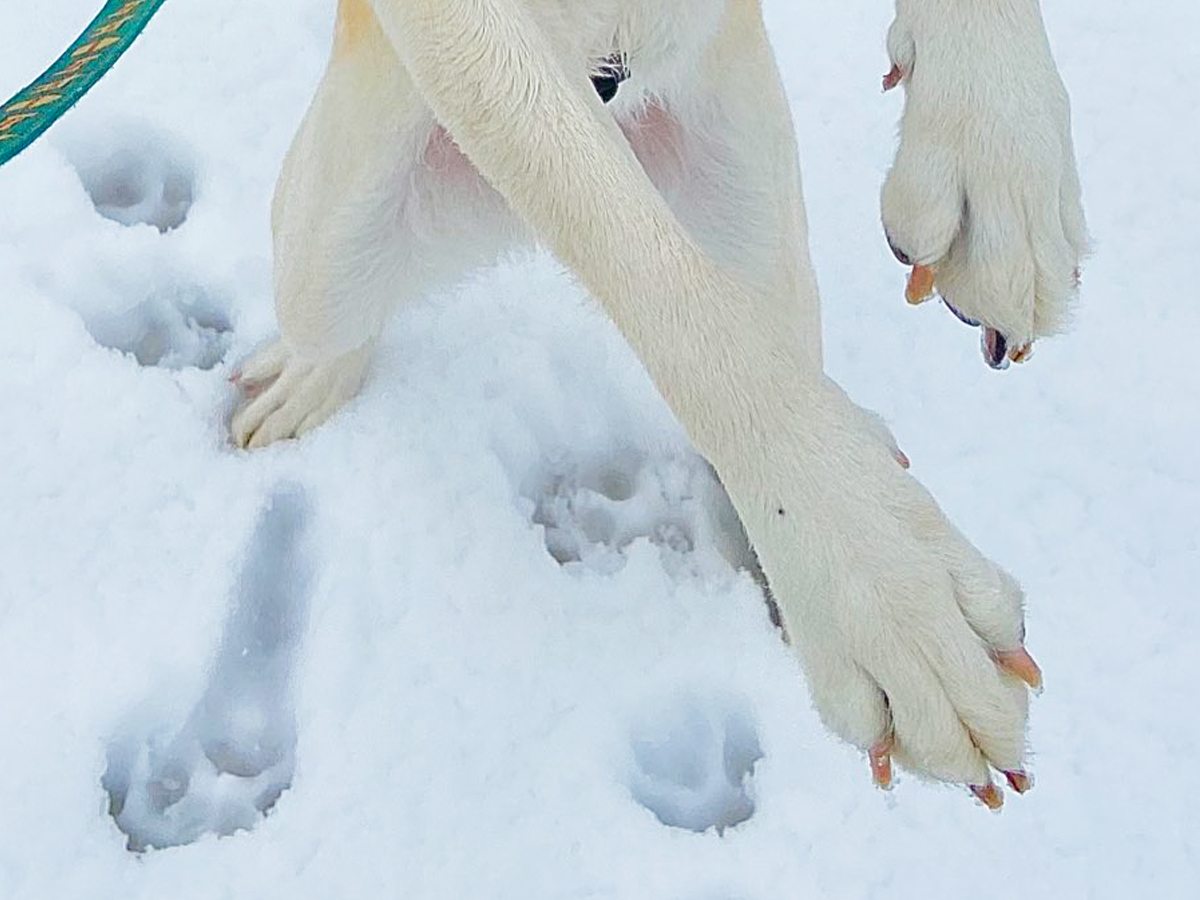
x=693 y=763
x=591 y=512
x=136 y=176
x=175 y=329
x=234 y=755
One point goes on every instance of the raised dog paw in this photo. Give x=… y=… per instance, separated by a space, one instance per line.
x=984 y=198
x=284 y=397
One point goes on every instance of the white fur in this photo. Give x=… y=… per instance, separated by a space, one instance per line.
x=679 y=207
x=985 y=187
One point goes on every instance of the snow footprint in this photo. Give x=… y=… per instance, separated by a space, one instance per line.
x=590 y=513
x=172 y=329
x=693 y=762
x=135 y=175
x=233 y=756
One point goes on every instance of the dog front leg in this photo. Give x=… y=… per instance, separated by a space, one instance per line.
x=984 y=198
x=728 y=169
x=907 y=634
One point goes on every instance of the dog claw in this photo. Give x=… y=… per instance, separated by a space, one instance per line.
x=881 y=763
x=1021 y=354
x=893 y=78
x=1021 y=664
x=1019 y=781
x=995 y=348
x=989 y=795
x=920 y=285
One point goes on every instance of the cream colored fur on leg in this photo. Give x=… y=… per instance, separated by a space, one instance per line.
x=679 y=207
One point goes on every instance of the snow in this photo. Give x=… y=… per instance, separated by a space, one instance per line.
x=484 y=625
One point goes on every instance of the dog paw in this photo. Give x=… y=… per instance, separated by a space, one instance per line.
x=984 y=198
x=912 y=642
x=283 y=397
x=692 y=764
x=232 y=758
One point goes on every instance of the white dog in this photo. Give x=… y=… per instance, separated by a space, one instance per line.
x=446 y=131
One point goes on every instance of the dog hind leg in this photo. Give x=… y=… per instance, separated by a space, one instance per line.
x=375 y=206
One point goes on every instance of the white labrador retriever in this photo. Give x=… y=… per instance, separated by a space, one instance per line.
x=649 y=144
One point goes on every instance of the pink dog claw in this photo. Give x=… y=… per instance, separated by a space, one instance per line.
x=1021 y=664
x=1019 y=781
x=920 y=285
x=989 y=795
x=881 y=763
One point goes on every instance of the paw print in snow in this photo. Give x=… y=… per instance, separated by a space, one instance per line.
x=135 y=175
x=172 y=330
x=233 y=757
x=693 y=762
x=590 y=513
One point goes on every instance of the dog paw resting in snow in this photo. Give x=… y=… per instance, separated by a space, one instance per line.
x=648 y=144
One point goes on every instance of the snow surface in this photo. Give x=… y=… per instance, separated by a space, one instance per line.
x=483 y=623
